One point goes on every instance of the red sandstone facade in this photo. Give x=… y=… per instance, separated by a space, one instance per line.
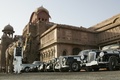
x=52 y=40
x=44 y=40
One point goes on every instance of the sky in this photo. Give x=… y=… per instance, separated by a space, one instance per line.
x=84 y=13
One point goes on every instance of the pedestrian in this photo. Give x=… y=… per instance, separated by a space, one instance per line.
x=18 y=55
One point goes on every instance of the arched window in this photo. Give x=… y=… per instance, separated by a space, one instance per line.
x=76 y=51
x=64 y=53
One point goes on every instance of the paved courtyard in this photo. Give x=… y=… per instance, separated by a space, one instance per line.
x=101 y=75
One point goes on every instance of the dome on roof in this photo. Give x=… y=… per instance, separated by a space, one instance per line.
x=41 y=9
x=8 y=28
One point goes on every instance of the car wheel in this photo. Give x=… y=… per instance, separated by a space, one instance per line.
x=55 y=70
x=112 y=63
x=43 y=68
x=75 y=67
x=88 y=69
x=36 y=69
x=27 y=69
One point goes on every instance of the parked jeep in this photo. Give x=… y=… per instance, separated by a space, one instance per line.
x=95 y=59
x=68 y=63
x=88 y=58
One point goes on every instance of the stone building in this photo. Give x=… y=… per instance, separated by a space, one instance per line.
x=44 y=40
x=32 y=31
x=108 y=31
x=6 y=39
x=65 y=40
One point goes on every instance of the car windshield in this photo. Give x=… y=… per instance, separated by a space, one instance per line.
x=36 y=62
x=84 y=52
x=113 y=46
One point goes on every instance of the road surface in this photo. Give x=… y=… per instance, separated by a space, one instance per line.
x=101 y=75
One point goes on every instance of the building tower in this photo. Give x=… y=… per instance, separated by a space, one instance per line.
x=41 y=14
x=6 y=39
x=36 y=26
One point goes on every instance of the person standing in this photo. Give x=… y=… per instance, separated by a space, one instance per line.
x=18 y=55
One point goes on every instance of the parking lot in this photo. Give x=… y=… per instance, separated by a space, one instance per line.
x=100 y=75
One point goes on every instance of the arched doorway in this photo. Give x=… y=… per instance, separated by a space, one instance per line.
x=76 y=51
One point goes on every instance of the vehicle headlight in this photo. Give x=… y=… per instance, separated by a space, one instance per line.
x=84 y=61
x=31 y=67
x=64 y=59
x=82 y=57
x=57 y=60
x=101 y=54
x=38 y=66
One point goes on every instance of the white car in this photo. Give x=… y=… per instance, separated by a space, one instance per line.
x=31 y=67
